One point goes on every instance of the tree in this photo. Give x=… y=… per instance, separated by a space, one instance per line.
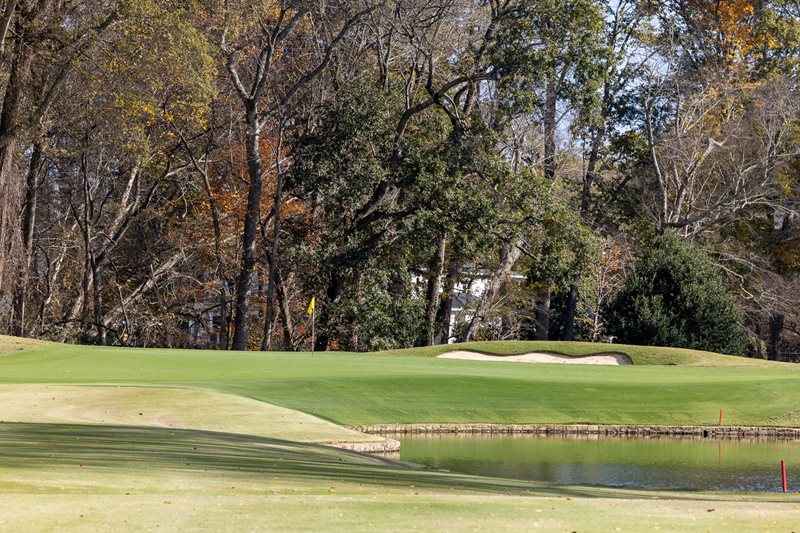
x=265 y=97
x=41 y=43
x=105 y=160
x=676 y=296
x=337 y=169
x=553 y=60
x=176 y=173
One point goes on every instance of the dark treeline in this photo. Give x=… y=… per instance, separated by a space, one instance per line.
x=190 y=174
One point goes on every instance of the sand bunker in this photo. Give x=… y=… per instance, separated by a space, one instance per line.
x=538 y=357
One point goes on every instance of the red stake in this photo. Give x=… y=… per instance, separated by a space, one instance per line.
x=720 y=417
x=783 y=474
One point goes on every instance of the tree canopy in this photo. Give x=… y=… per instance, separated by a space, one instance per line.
x=191 y=174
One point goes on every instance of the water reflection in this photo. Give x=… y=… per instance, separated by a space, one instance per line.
x=692 y=464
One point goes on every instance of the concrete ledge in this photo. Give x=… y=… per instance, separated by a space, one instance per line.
x=385 y=446
x=711 y=432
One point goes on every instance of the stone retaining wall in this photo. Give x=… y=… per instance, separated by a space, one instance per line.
x=385 y=446
x=712 y=432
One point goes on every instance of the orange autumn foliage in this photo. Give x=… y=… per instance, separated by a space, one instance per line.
x=229 y=193
x=730 y=24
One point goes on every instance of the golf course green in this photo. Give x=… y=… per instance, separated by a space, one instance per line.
x=136 y=439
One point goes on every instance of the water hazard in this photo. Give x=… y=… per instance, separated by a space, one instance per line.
x=700 y=464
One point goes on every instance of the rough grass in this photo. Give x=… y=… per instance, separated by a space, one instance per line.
x=78 y=478
x=14 y=344
x=169 y=407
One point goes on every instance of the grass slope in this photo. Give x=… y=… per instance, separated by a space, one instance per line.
x=14 y=344
x=178 y=408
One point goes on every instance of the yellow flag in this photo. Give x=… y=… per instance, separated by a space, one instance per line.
x=311 y=305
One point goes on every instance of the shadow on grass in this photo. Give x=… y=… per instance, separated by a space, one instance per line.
x=41 y=446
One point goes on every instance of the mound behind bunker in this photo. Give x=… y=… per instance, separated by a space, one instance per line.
x=539 y=357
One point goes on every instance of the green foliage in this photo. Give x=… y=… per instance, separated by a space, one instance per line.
x=370 y=317
x=676 y=296
x=453 y=184
x=340 y=163
x=560 y=42
x=562 y=247
x=778 y=28
x=448 y=181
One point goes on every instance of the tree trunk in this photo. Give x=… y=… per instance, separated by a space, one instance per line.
x=759 y=349
x=99 y=316
x=87 y=269
x=591 y=172
x=334 y=291
x=269 y=321
x=53 y=274
x=445 y=310
x=358 y=289
x=5 y=23
x=27 y=225
x=549 y=122
x=594 y=154
x=286 y=312
x=223 y=280
x=507 y=262
x=543 y=316
x=241 y=322
x=596 y=322
x=775 y=334
x=269 y=315
x=87 y=229
x=9 y=190
x=435 y=268
x=83 y=298
x=569 y=315
x=550 y=110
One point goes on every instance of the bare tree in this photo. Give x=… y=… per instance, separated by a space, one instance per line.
x=719 y=152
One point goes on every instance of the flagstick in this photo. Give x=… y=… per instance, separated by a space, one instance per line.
x=313 y=311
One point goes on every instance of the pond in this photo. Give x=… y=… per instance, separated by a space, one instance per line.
x=700 y=464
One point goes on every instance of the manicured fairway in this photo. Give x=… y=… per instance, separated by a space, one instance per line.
x=371 y=388
x=79 y=456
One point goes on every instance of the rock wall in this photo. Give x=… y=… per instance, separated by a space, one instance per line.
x=386 y=446
x=711 y=432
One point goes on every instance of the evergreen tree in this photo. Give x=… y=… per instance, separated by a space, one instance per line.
x=676 y=296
